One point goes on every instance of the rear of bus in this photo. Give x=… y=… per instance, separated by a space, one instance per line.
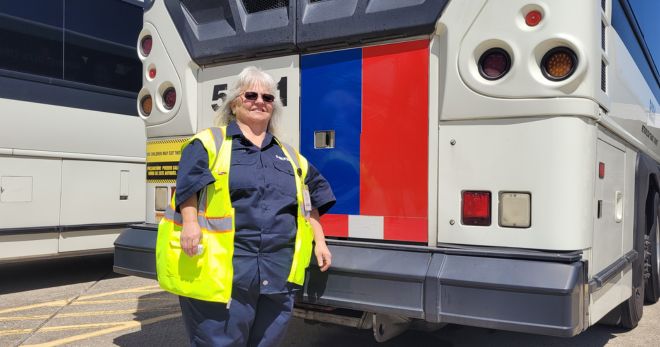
x=459 y=137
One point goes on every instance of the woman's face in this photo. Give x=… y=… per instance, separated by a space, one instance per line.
x=251 y=110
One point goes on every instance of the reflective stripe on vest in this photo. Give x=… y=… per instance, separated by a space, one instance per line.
x=209 y=276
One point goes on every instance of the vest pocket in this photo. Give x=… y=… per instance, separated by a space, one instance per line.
x=181 y=265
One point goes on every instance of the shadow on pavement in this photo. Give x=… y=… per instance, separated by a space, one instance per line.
x=159 y=314
x=451 y=335
x=47 y=273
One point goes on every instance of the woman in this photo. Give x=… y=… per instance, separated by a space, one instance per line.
x=275 y=196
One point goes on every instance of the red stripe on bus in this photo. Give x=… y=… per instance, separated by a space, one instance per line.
x=335 y=225
x=394 y=139
x=405 y=229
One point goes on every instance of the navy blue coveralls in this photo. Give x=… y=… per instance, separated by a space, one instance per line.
x=263 y=194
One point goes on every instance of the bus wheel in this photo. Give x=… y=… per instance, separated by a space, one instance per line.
x=652 y=260
x=632 y=309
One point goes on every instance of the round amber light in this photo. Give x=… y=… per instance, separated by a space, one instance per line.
x=146 y=104
x=558 y=64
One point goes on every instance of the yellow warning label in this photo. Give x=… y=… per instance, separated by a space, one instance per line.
x=164 y=150
x=163 y=160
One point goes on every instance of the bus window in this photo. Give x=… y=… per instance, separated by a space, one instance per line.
x=31 y=36
x=97 y=50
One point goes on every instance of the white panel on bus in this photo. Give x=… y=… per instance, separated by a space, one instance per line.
x=608 y=229
x=41 y=127
x=92 y=192
x=16 y=189
x=82 y=240
x=552 y=159
x=215 y=81
x=30 y=194
x=28 y=245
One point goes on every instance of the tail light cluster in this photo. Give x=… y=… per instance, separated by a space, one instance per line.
x=167 y=93
x=494 y=64
x=557 y=64
x=514 y=209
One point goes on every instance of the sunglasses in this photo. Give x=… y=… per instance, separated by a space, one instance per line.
x=253 y=96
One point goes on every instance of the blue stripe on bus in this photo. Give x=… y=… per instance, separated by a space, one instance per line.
x=627 y=34
x=331 y=99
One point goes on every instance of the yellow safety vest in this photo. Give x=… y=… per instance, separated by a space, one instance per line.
x=209 y=275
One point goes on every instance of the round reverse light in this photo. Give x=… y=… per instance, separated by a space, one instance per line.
x=558 y=64
x=533 y=18
x=494 y=63
x=169 y=98
x=145 y=45
x=146 y=103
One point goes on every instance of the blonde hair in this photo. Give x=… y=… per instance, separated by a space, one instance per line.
x=251 y=75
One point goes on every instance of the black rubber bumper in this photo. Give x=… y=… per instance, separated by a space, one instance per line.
x=135 y=251
x=529 y=292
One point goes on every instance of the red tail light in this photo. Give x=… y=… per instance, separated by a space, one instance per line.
x=494 y=63
x=169 y=98
x=476 y=208
x=533 y=18
x=145 y=45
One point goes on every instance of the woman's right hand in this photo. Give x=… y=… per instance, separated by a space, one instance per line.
x=190 y=237
x=191 y=234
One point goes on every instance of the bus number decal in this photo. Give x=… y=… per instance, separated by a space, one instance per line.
x=219 y=93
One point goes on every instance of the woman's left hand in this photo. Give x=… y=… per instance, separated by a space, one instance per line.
x=323 y=256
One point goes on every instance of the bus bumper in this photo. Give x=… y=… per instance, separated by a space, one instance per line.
x=537 y=293
x=135 y=251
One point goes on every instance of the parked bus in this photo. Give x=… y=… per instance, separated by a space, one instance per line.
x=72 y=153
x=495 y=165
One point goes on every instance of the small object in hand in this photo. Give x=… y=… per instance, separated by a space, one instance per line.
x=200 y=249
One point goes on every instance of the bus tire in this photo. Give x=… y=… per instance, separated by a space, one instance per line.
x=632 y=309
x=652 y=259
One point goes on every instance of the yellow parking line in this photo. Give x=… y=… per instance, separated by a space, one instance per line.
x=152 y=288
x=124 y=326
x=59 y=328
x=112 y=301
x=27 y=307
x=85 y=314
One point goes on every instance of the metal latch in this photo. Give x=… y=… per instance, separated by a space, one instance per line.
x=324 y=139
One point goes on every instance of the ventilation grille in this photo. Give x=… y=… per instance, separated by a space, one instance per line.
x=603 y=76
x=602 y=35
x=252 y=6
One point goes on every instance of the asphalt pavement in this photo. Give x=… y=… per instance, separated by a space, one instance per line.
x=81 y=302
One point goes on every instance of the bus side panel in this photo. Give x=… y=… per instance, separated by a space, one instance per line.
x=101 y=192
x=30 y=193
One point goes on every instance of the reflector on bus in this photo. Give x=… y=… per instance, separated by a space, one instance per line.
x=476 y=208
